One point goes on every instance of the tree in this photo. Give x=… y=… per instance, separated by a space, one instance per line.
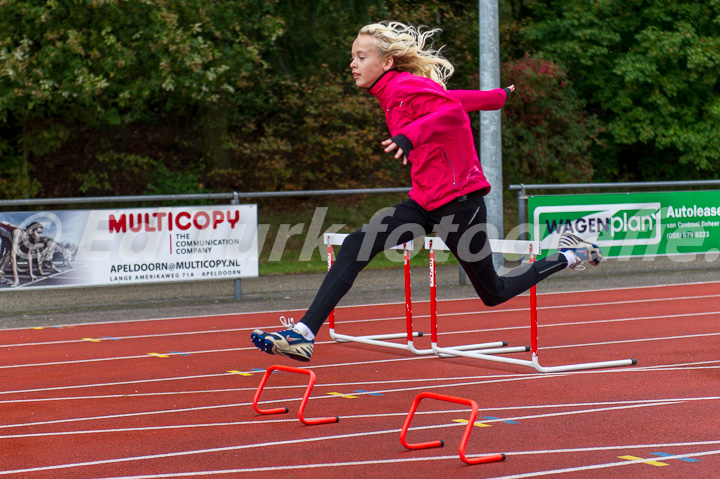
x=314 y=133
x=319 y=33
x=103 y=64
x=650 y=70
x=547 y=136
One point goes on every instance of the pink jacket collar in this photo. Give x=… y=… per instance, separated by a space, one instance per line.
x=378 y=87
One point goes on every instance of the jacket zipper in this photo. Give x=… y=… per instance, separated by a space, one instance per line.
x=452 y=167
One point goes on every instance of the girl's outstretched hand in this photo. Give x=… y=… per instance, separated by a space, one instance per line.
x=390 y=146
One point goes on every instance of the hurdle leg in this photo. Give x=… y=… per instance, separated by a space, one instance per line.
x=489 y=354
x=474 y=351
x=379 y=339
x=466 y=435
x=497 y=347
x=534 y=339
x=408 y=308
x=306 y=396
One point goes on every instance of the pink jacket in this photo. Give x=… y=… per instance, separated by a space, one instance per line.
x=432 y=127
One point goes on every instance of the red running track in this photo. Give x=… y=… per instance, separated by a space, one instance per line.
x=173 y=397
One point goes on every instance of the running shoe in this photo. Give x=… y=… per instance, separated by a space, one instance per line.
x=584 y=252
x=288 y=343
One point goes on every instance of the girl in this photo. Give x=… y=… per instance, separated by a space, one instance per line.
x=430 y=130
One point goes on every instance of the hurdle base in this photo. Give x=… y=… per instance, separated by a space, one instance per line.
x=499 y=347
x=346 y=338
x=486 y=355
x=489 y=355
x=382 y=341
x=581 y=366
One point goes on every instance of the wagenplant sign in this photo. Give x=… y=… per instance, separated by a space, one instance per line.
x=631 y=224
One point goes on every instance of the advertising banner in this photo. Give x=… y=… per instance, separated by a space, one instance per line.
x=48 y=249
x=631 y=224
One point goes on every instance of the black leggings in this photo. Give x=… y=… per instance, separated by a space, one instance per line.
x=462 y=226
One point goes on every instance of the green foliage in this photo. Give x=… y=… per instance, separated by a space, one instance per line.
x=651 y=71
x=319 y=33
x=15 y=182
x=318 y=132
x=157 y=96
x=163 y=181
x=458 y=21
x=547 y=136
x=70 y=66
x=109 y=61
x=115 y=173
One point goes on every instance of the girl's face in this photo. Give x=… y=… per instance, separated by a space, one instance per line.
x=366 y=64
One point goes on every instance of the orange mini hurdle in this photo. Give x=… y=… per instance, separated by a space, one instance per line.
x=465 y=437
x=306 y=396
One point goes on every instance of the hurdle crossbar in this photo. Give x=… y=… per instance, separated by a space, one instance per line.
x=527 y=248
x=383 y=340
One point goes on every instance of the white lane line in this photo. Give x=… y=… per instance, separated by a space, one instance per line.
x=118 y=358
x=415 y=459
x=484 y=311
x=301 y=311
x=196 y=452
x=138 y=336
x=604 y=465
x=407 y=460
x=181 y=378
x=624 y=341
x=259 y=422
x=386 y=391
x=679 y=366
x=244 y=446
x=118 y=383
x=478 y=312
x=220 y=406
x=228 y=375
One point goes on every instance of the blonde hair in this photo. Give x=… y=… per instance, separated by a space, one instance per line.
x=406 y=45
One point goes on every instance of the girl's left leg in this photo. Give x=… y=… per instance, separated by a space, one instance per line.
x=467 y=238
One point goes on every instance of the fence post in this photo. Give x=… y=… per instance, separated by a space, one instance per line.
x=522 y=215
x=238 y=282
x=238 y=289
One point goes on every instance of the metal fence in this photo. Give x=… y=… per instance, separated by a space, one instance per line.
x=233 y=197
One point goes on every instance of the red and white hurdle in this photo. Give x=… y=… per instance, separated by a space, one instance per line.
x=383 y=340
x=526 y=248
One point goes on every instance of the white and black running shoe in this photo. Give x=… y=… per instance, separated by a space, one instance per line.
x=585 y=252
x=289 y=343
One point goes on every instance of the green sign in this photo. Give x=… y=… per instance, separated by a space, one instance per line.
x=631 y=224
